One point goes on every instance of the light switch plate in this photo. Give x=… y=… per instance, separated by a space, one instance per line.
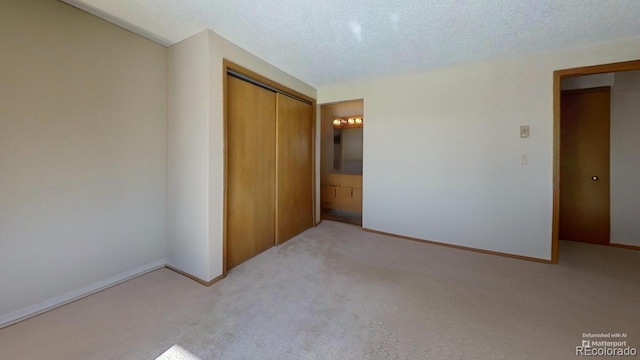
x=524 y=131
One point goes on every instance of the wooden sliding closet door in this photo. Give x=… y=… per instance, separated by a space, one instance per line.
x=294 y=213
x=251 y=156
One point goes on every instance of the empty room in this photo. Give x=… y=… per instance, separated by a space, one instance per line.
x=264 y=179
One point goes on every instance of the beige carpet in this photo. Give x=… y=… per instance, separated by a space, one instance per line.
x=336 y=292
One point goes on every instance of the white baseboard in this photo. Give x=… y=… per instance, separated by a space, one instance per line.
x=30 y=311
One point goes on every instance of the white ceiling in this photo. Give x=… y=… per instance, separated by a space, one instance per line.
x=324 y=42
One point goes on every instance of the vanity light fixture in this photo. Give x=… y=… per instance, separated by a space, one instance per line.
x=348 y=122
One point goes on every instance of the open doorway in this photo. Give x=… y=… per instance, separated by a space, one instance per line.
x=596 y=124
x=341 y=148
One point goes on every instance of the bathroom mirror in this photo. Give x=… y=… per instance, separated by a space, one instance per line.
x=347 y=150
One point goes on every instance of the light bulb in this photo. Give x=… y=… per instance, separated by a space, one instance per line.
x=351 y=120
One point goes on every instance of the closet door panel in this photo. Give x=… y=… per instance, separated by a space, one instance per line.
x=294 y=211
x=251 y=144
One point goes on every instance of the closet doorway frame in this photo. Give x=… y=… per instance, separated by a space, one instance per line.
x=229 y=66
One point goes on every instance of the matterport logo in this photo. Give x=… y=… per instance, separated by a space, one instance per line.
x=605 y=344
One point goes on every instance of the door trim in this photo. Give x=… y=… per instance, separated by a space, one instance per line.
x=235 y=68
x=558 y=75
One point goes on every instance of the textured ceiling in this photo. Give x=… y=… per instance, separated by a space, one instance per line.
x=331 y=41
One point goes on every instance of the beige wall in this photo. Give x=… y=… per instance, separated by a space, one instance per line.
x=587 y=81
x=459 y=152
x=625 y=158
x=83 y=155
x=188 y=155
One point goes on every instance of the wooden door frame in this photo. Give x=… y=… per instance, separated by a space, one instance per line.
x=558 y=75
x=229 y=65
